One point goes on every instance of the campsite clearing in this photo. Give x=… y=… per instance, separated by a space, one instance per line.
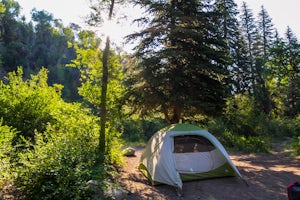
x=266 y=174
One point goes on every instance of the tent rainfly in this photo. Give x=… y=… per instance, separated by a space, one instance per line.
x=182 y=152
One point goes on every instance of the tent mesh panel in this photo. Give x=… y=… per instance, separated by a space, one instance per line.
x=192 y=143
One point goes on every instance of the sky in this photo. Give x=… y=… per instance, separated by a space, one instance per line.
x=76 y=11
x=283 y=13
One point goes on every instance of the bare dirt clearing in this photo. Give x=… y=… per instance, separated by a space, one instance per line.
x=266 y=174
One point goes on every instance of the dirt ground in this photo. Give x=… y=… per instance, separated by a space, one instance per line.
x=267 y=176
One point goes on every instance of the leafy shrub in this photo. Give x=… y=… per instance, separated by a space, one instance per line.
x=114 y=143
x=242 y=117
x=7 y=152
x=61 y=161
x=51 y=151
x=296 y=129
x=216 y=126
x=24 y=105
x=296 y=145
x=255 y=144
x=245 y=128
x=140 y=130
x=251 y=144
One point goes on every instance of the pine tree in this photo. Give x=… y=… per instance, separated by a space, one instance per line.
x=230 y=30
x=263 y=40
x=182 y=60
x=249 y=29
x=228 y=19
x=266 y=30
x=293 y=61
x=44 y=40
x=241 y=68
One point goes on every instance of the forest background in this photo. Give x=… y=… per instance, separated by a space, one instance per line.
x=199 y=62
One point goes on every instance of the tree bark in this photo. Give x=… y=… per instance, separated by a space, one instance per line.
x=103 y=111
x=176 y=115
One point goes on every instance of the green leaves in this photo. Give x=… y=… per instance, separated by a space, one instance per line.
x=182 y=61
x=7 y=152
x=60 y=163
x=90 y=62
x=26 y=105
x=55 y=157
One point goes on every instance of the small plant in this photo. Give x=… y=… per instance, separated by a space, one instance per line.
x=296 y=145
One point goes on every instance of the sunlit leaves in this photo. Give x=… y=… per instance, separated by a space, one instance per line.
x=26 y=105
x=54 y=159
x=89 y=62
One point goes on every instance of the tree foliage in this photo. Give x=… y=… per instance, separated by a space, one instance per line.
x=193 y=59
x=249 y=29
x=284 y=64
x=90 y=63
x=264 y=40
x=181 y=60
x=43 y=42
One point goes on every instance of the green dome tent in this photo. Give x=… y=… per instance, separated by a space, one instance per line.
x=182 y=152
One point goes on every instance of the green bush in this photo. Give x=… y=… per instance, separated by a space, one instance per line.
x=296 y=130
x=7 y=153
x=242 y=117
x=140 y=130
x=52 y=149
x=251 y=144
x=24 y=105
x=114 y=144
x=216 y=126
x=236 y=140
x=296 y=145
x=62 y=158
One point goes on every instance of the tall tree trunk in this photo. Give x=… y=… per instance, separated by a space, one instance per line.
x=103 y=112
x=105 y=61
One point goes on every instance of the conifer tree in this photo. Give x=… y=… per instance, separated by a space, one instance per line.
x=293 y=71
x=263 y=40
x=182 y=60
x=249 y=30
x=228 y=19
x=230 y=30
x=241 y=68
x=266 y=30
